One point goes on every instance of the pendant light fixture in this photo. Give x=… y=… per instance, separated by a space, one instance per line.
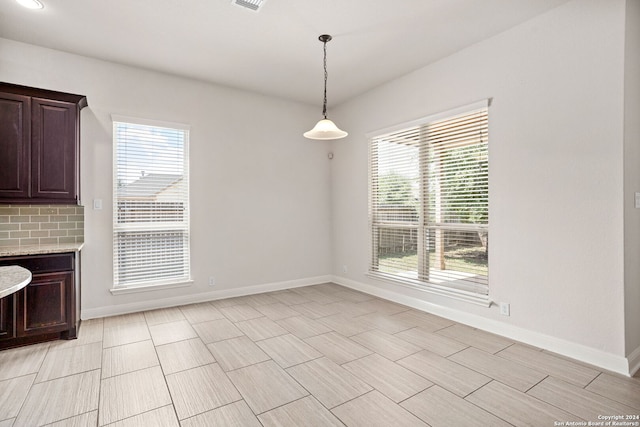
x=325 y=128
x=31 y=4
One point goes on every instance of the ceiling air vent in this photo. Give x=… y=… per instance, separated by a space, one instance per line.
x=254 y=5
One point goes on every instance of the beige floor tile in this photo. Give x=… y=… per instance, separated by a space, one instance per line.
x=266 y=386
x=58 y=399
x=90 y=331
x=289 y=297
x=447 y=374
x=303 y=327
x=345 y=325
x=375 y=410
x=202 y=312
x=125 y=334
x=82 y=420
x=229 y=302
x=200 y=390
x=7 y=423
x=352 y=309
x=20 y=361
x=337 y=348
x=259 y=299
x=384 y=307
x=507 y=372
x=314 y=310
x=161 y=417
x=128 y=358
x=304 y=290
x=329 y=288
x=163 y=315
x=277 y=311
x=238 y=313
x=68 y=361
x=328 y=382
x=389 y=378
x=322 y=297
x=431 y=341
x=124 y=319
x=476 y=338
x=576 y=400
x=544 y=362
x=440 y=408
x=306 y=412
x=166 y=333
x=385 y=344
x=13 y=392
x=516 y=407
x=131 y=394
x=388 y=324
x=237 y=353
x=216 y=330
x=183 y=355
x=288 y=350
x=354 y=296
x=235 y=414
x=623 y=390
x=426 y=321
x=261 y=328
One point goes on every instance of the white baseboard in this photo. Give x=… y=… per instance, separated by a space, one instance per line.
x=634 y=361
x=151 y=304
x=570 y=349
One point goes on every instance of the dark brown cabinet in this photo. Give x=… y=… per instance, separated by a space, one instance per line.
x=7 y=324
x=46 y=308
x=39 y=142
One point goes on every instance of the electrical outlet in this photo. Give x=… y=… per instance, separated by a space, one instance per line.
x=505 y=309
x=212 y=281
x=345 y=269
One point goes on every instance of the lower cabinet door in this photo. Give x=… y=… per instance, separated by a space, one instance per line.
x=7 y=318
x=45 y=303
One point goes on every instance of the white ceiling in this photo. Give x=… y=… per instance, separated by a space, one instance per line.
x=276 y=50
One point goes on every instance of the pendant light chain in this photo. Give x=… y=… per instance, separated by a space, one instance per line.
x=326 y=74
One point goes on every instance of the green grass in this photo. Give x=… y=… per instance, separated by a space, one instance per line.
x=468 y=260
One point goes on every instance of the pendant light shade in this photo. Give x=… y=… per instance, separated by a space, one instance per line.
x=325 y=129
x=31 y=4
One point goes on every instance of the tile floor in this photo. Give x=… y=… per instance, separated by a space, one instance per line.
x=321 y=355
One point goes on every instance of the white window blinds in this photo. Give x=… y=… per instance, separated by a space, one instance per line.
x=429 y=204
x=150 y=204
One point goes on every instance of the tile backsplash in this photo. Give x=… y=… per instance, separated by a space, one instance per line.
x=22 y=225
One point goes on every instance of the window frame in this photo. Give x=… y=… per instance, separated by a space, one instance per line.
x=422 y=224
x=153 y=225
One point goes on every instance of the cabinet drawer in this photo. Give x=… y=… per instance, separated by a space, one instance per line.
x=42 y=263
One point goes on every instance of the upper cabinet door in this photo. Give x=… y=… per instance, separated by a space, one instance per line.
x=15 y=145
x=54 y=166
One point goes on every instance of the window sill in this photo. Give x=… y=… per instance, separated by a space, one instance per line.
x=148 y=288
x=470 y=297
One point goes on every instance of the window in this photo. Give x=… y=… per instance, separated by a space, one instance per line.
x=429 y=204
x=150 y=204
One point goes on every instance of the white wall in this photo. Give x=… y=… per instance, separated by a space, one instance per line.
x=259 y=190
x=556 y=173
x=632 y=182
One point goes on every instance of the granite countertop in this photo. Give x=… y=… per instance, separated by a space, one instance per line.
x=12 y=279
x=57 y=248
